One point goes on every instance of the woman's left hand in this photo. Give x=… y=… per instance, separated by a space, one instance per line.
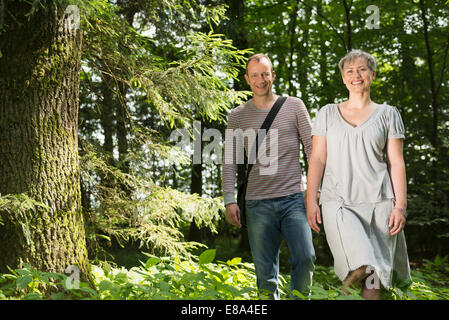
x=397 y=221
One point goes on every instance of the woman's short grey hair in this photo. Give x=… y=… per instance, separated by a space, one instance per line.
x=355 y=54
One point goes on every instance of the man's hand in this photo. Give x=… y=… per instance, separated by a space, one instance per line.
x=233 y=214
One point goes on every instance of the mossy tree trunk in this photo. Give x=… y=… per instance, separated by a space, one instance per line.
x=39 y=87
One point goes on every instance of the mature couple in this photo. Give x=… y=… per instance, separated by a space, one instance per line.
x=356 y=173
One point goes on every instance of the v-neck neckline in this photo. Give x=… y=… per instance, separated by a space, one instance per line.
x=363 y=123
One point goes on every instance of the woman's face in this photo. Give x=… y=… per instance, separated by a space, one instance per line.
x=357 y=76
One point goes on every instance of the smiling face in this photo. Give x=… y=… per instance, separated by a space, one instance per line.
x=357 y=76
x=260 y=77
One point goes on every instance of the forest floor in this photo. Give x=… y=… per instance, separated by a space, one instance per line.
x=430 y=277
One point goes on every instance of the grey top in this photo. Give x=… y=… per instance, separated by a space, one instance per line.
x=356 y=168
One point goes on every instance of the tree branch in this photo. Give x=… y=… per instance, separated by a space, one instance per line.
x=444 y=66
x=328 y=22
x=348 y=23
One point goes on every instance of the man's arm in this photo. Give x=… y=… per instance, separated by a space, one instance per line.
x=229 y=173
x=305 y=129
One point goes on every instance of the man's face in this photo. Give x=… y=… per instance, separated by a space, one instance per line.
x=260 y=77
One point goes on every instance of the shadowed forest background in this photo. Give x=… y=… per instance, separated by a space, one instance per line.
x=92 y=91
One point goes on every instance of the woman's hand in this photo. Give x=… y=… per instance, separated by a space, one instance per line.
x=396 y=168
x=397 y=221
x=313 y=215
x=317 y=162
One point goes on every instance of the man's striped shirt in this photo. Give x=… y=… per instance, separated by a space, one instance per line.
x=277 y=171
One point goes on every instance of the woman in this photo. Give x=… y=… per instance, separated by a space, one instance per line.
x=357 y=153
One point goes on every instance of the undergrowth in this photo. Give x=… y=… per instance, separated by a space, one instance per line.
x=167 y=278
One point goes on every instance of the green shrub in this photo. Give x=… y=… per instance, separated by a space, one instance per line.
x=167 y=278
x=431 y=282
x=171 y=278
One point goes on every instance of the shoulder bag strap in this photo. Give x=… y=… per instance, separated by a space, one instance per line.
x=266 y=125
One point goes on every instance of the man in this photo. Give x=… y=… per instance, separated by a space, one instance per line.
x=274 y=197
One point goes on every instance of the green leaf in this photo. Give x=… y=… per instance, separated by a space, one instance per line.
x=152 y=262
x=240 y=277
x=57 y=296
x=207 y=256
x=23 y=282
x=106 y=285
x=299 y=294
x=234 y=261
x=164 y=286
x=89 y=290
x=33 y=296
x=121 y=277
x=107 y=268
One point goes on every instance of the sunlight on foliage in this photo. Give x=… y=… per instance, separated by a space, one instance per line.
x=170 y=278
x=134 y=208
x=125 y=56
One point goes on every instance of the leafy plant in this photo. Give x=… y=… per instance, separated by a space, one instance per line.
x=151 y=217
x=18 y=208
x=429 y=282
x=170 y=278
x=27 y=284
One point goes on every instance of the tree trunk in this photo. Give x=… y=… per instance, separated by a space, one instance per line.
x=122 y=130
x=107 y=116
x=348 y=24
x=440 y=150
x=293 y=46
x=196 y=186
x=39 y=87
x=199 y=234
x=235 y=30
x=302 y=62
x=327 y=94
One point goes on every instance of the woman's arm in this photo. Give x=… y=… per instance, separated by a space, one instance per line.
x=396 y=168
x=317 y=163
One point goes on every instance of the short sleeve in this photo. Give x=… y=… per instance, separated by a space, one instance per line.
x=319 y=127
x=396 y=126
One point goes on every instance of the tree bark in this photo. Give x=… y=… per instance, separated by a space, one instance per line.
x=235 y=30
x=122 y=130
x=433 y=130
x=327 y=94
x=348 y=24
x=293 y=46
x=107 y=107
x=302 y=61
x=39 y=86
x=199 y=234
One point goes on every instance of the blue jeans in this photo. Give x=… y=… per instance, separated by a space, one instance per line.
x=270 y=219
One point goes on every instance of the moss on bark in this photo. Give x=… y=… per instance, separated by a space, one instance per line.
x=39 y=86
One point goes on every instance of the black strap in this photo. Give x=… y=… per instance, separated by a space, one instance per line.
x=266 y=125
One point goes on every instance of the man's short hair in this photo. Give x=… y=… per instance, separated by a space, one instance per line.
x=258 y=57
x=355 y=54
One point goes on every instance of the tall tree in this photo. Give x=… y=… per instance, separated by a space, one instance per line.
x=39 y=76
x=235 y=29
x=157 y=64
